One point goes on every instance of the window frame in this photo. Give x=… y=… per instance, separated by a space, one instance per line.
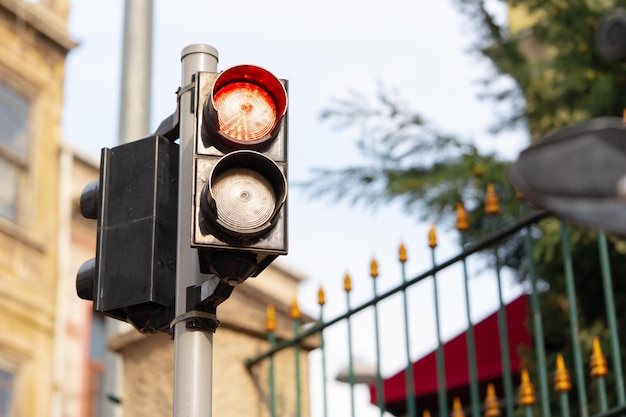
x=7 y=410
x=22 y=163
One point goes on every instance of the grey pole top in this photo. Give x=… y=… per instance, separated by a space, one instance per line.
x=199 y=48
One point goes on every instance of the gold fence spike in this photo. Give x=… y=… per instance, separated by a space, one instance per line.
x=492 y=408
x=462 y=224
x=562 y=380
x=457 y=408
x=271 y=318
x=347 y=283
x=492 y=205
x=402 y=253
x=295 y=310
x=526 y=390
x=321 y=296
x=426 y=413
x=598 y=361
x=432 y=236
x=374 y=268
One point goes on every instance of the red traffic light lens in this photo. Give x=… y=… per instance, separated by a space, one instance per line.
x=245 y=111
x=246 y=106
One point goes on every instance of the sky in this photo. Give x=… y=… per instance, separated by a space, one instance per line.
x=325 y=49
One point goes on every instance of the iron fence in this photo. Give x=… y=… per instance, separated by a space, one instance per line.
x=522 y=387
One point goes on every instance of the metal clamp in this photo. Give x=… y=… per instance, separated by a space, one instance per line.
x=200 y=320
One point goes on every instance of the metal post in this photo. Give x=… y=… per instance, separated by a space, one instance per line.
x=471 y=343
x=573 y=318
x=504 y=342
x=272 y=340
x=380 y=390
x=193 y=355
x=441 y=365
x=607 y=282
x=537 y=326
x=134 y=124
x=410 y=388
x=135 y=94
x=322 y=301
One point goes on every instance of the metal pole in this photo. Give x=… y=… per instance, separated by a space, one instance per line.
x=441 y=365
x=504 y=342
x=410 y=388
x=323 y=349
x=271 y=337
x=380 y=390
x=135 y=92
x=347 y=285
x=573 y=318
x=193 y=354
x=296 y=332
x=538 y=327
x=607 y=282
x=133 y=124
x=471 y=343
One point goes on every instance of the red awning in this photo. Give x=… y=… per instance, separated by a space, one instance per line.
x=489 y=363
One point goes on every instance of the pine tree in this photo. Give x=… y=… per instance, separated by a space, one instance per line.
x=559 y=79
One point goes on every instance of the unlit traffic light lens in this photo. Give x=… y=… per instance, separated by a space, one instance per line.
x=244 y=193
x=244 y=199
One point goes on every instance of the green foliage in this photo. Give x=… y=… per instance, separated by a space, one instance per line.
x=556 y=78
x=407 y=159
x=559 y=76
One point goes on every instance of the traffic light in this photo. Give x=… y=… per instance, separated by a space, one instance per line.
x=578 y=173
x=133 y=276
x=239 y=210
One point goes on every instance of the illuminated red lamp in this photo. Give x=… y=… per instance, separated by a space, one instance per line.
x=246 y=106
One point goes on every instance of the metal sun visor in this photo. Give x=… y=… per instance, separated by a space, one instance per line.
x=576 y=172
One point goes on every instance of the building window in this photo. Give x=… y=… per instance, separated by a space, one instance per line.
x=14 y=138
x=6 y=393
x=97 y=353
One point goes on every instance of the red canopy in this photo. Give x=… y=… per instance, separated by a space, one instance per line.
x=489 y=363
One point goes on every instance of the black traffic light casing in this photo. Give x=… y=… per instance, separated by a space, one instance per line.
x=133 y=276
x=577 y=173
x=230 y=248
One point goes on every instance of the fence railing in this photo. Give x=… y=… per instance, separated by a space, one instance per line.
x=533 y=379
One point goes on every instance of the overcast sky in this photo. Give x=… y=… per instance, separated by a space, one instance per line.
x=324 y=49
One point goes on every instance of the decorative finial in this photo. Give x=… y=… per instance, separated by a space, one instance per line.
x=295 y=310
x=374 y=268
x=402 y=255
x=271 y=318
x=321 y=296
x=492 y=408
x=457 y=408
x=462 y=224
x=526 y=390
x=492 y=206
x=347 y=283
x=562 y=380
x=432 y=236
x=598 y=361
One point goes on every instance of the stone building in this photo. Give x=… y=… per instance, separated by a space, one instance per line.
x=36 y=343
x=51 y=344
x=148 y=360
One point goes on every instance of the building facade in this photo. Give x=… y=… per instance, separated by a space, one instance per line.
x=237 y=390
x=52 y=345
x=33 y=45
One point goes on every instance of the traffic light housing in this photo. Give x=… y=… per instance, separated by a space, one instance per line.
x=239 y=208
x=133 y=276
